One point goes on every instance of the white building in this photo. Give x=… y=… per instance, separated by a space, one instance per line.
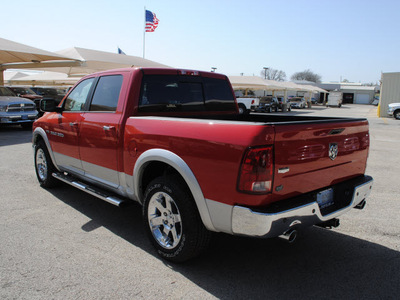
x=352 y=92
x=390 y=91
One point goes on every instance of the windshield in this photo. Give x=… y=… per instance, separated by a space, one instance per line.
x=6 y=92
x=185 y=93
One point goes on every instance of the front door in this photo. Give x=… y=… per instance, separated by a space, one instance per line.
x=65 y=131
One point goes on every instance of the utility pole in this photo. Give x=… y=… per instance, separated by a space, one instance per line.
x=265 y=75
x=265 y=72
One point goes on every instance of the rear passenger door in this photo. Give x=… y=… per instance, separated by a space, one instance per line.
x=100 y=131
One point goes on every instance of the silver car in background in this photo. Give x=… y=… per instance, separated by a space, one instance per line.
x=16 y=110
x=394 y=110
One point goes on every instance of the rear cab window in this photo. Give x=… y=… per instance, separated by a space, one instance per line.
x=106 y=94
x=185 y=93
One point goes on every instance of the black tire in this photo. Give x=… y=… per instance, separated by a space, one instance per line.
x=242 y=109
x=44 y=166
x=396 y=114
x=177 y=231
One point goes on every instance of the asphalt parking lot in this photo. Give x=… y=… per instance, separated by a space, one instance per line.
x=65 y=244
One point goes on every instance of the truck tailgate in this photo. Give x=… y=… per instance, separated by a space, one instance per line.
x=312 y=156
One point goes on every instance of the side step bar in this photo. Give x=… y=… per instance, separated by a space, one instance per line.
x=94 y=191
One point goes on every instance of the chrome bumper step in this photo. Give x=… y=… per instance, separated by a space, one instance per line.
x=90 y=189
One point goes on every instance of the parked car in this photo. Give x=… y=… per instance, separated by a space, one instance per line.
x=268 y=104
x=247 y=104
x=298 y=102
x=47 y=92
x=16 y=110
x=280 y=104
x=394 y=110
x=27 y=93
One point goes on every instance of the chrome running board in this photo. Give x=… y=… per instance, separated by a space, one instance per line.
x=92 y=190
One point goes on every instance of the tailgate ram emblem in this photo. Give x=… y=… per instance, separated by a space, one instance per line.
x=333 y=150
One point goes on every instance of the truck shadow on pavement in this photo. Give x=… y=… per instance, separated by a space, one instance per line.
x=14 y=134
x=322 y=264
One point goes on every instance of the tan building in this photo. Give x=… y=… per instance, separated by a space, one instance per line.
x=390 y=91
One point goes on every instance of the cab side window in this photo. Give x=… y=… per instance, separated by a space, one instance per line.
x=77 y=98
x=106 y=95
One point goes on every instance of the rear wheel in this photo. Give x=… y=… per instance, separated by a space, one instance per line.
x=44 y=167
x=172 y=221
x=242 y=109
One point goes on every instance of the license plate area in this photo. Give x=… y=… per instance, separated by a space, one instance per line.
x=325 y=198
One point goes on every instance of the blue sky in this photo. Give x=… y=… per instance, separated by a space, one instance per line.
x=354 y=40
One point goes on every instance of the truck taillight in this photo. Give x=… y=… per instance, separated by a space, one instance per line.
x=256 y=171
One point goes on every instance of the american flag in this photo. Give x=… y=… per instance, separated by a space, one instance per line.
x=151 y=21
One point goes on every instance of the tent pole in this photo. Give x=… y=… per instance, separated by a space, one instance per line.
x=1 y=77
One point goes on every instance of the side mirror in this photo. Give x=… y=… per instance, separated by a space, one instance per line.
x=49 y=105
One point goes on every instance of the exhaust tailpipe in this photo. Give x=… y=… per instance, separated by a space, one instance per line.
x=289 y=236
x=330 y=223
x=361 y=205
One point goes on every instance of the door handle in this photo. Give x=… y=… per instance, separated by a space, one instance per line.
x=107 y=128
x=72 y=124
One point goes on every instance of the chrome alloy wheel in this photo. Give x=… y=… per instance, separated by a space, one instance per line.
x=164 y=220
x=41 y=164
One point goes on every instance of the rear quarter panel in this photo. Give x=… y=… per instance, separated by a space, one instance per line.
x=213 y=150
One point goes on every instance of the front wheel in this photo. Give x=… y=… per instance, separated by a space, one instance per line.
x=397 y=114
x=44 y=167
x=172 y=221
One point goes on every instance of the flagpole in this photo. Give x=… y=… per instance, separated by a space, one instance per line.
x=144 y=31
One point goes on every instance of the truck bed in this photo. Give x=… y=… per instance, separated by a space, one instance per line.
x=301 y=150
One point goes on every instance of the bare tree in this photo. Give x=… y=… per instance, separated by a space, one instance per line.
x=306 y=75
x=273 y=74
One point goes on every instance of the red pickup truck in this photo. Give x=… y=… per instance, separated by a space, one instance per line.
x=173 y=141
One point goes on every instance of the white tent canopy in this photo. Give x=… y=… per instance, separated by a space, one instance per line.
x=312 y=88
x=19 y=56
x=254 y=83
x=44 y=78
x=95 y=61
x=258 y=83
x=11 y=75
x=12 y=52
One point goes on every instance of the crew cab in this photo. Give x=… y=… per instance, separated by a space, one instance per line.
x=174 y=141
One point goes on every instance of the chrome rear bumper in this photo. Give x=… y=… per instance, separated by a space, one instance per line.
x=246 y=221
